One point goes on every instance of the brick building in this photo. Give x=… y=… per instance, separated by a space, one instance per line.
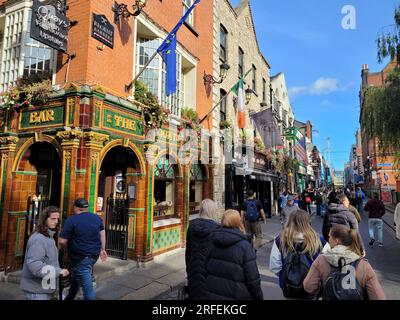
x=89 y=140
x=379 y=167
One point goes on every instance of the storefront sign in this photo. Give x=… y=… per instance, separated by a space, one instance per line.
x=121 y=122
x=103 y=30
x=99 y=204
x=42 y=118
x=49 y=24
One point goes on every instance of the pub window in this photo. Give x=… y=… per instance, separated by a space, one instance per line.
x=186 y=5
x=197 y=178
x=223 y=44
x=254 y=80
x=240 y=62
x=164 y=189
x=223 y=105
x=155 y=74
x=37 y=58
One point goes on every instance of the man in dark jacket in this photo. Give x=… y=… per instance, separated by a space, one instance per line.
x=198 y=244
x=338 y=214
x=376 y=210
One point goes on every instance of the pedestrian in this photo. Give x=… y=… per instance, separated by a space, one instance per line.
x=397 y=221
x=85 y=237
x=198 y=245
x=232 y=272
x=282 y=200
x=297 y=243
x=339 y=214
x=360 y=196
x=288 y=210
x=306 y=198
x=344 y=249
x=332 y=197
x=41 y=269
x=318 y=202
x=252 y=212
x=376 y=210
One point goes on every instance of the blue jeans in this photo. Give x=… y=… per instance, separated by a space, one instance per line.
x=82 y=277
x=379 y=223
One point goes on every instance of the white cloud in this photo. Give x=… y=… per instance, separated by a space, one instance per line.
x=321 y=86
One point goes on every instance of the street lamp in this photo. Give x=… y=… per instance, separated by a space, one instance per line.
x=249 y=93
x=223 y=71
x=121 y=9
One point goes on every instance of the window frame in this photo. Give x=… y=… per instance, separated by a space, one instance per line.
x=264 y=90
x=223 y=46
x=186 y=4
x=223 y=105
x=174 y=102
x=254 y=78
x=241 y=62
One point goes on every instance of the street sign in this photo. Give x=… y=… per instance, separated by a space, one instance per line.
x=103 y=30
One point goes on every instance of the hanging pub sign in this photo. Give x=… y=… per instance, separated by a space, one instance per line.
x=49 y=24
x=103 y=30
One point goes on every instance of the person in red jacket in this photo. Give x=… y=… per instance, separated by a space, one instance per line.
x=376 y=210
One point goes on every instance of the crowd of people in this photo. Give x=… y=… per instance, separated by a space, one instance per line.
x=221 y=253
x=221 y=256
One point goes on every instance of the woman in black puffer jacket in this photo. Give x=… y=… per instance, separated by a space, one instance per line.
x=232 y=272
x=198 y=245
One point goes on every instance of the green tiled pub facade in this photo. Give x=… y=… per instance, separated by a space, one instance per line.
x=87 y=143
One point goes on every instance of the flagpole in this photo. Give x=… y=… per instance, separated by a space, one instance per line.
x=219 y=102
x=129 y=86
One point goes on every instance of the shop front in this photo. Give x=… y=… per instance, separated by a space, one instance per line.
x=87 y=143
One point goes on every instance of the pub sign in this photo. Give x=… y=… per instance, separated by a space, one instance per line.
x=103 y=30
x=49 y=24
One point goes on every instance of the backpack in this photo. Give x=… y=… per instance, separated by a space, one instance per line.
x=252 y=214
x=333 y=288
x=307 y=199
x=295 y=270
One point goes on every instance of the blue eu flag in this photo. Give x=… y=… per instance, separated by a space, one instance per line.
x=167 y=50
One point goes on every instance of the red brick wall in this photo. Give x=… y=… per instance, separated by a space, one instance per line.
x=111 y=68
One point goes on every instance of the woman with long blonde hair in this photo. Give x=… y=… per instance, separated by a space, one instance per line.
x=298 y=238
x=232 y=272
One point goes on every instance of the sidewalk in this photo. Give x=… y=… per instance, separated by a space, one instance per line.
x=128 y=280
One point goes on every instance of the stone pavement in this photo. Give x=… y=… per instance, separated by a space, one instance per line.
x=128 y=280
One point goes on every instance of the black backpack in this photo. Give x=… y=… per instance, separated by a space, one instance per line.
x=295 y=270
x=252 y=214
x=334 y=289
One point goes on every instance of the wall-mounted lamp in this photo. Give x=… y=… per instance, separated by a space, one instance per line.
x=122 y=9
x=209 y=80
x=249 y=93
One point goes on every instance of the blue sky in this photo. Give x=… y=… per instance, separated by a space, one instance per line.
x=322 y=61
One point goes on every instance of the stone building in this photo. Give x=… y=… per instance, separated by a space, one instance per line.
x=235 y=44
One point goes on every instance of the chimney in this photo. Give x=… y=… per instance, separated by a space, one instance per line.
x=364 y=75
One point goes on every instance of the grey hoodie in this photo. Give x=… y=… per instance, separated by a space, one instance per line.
x=41 y=259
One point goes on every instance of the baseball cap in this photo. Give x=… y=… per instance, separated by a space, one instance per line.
x=81 y=203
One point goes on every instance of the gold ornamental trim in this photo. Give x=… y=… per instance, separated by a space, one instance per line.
x=96 y=138
x=6 y=141
x=69 y=135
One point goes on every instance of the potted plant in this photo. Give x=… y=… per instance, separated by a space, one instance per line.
x=224 y=124
x=154 y=114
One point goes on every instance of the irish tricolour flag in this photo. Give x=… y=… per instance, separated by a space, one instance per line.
x=238 y=89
